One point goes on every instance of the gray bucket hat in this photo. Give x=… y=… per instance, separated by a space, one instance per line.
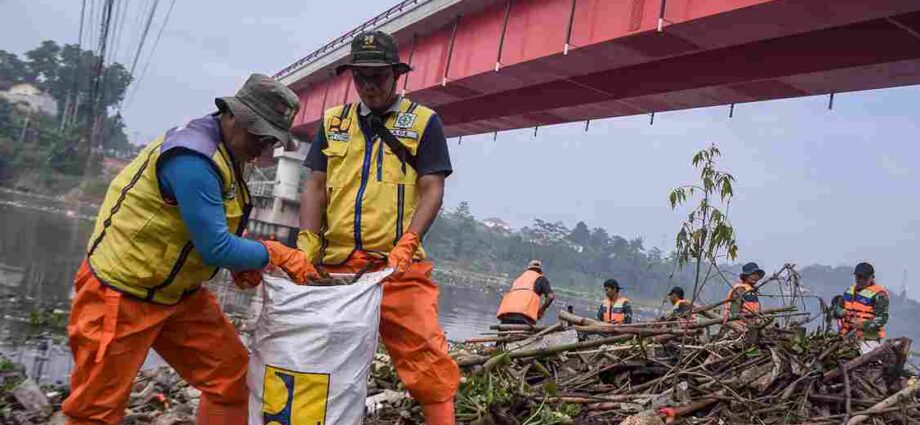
x=265 y=106
x=374 y=49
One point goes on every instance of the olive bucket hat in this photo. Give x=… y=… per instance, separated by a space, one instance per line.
x=265 y=106
x=374 y=49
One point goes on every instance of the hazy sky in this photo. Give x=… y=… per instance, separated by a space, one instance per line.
x=834 y=187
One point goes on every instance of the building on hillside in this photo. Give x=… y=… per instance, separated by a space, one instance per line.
x=496 y=223
x=31 y=98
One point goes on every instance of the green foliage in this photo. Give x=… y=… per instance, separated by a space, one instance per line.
x=36 y=149
x=11 y=67
x=48 y=320
x=707 y=234
x=479 y=392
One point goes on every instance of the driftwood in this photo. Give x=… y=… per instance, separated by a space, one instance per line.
x=906 y=393
x=764 y=370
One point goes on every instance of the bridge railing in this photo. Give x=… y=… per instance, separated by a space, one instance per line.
x=392 y=13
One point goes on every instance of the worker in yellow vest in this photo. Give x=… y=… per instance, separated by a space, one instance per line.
x=170 y=219
x=742 y=298
x=615 y=309
x=863 y=309
x=521 y=304
x=376 y=184
x=681 y=308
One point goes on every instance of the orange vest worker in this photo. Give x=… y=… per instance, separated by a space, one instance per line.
x=522 y=298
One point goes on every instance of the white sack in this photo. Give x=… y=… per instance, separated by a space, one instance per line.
x=311 y=352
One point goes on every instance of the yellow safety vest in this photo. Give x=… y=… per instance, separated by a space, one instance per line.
x=140 y=245
x=371 y=194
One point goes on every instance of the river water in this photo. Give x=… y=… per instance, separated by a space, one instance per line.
x=42 y=242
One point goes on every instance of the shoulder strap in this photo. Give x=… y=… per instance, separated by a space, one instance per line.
x=375 y=123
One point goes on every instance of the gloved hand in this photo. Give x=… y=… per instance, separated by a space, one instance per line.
x=309 y=243
x=294 y=262
x=400 y=257
x=247 y=279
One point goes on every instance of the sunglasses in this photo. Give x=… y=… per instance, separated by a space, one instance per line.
x=372 y=77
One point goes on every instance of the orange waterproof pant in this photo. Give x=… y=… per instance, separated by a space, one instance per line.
x=111 y=334
x=410 y=330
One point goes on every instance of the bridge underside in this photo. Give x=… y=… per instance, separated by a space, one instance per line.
x=543 y=62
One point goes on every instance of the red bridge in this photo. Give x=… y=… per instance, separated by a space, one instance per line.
x=490 y=65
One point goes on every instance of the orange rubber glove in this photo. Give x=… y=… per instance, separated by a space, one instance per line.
x=293 y=261
x=247 y=279
x=400 y=257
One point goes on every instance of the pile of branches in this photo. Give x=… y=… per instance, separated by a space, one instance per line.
x=755 y=370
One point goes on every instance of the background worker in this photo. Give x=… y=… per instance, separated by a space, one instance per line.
x=615 y=309
x=376 y=184
x=742 y=297
x=170 y=219
x=681 y=307
x=863 y=308
x=521 y=304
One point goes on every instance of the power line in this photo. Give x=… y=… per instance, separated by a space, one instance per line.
x=98 y=72
x=82 y=17
x=140 y=45
x=92 y=24
x=120 y=14
x=152 y=51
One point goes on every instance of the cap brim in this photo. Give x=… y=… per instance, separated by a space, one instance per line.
x=253 y=122
x=400 y=68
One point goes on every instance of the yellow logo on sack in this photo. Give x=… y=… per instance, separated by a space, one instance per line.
x=294 y=398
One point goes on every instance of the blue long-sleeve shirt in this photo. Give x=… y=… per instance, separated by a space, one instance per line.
x=192 y=180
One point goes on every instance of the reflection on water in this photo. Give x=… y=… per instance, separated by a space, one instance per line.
x=42 y=243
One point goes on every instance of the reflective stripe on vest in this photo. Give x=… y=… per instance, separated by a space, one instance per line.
x=371 y=193
x=614 y=313
x=521 y=298
x=750 y=302
x=686 y=319
x=140 y=245
x=860 y=307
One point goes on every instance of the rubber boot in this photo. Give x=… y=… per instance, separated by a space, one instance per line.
x=210 y=413
x=439 y=413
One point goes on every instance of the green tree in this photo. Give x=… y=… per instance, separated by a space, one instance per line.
x=580 y=235
x=43 y=64
x=11 y=68
x=706 y=234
